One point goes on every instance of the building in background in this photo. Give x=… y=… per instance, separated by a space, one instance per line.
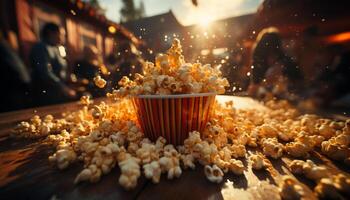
x=84 y=25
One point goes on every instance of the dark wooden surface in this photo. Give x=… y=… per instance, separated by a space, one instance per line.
x=25 y=172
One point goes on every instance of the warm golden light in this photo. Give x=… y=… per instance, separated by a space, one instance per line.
x=338 y=38
x=204 y=21
x=112 y=29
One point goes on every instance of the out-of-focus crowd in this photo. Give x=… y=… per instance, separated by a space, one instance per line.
x=317 y=75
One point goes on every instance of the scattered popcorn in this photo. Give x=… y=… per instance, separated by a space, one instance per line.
x=257 y=161
x=309 y=169
x=85 y=100
x=342 y=183
x=188 y=161
x=130 y=172
x=170 y=163
x=63 y=157
x=290 y=189
x=302 y=145
x=313 y=171
x=100 y=82
x=236 y=166
x=271 y=147
x=296 y=166
x=326 y=189
x=152 y=171
x=213 y=173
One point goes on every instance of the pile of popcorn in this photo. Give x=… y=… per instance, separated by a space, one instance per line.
x=170 y=74
x=104 y=135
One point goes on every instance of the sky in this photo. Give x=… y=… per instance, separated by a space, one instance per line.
x=185 y=11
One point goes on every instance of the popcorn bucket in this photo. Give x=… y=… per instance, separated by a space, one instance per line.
x=173 y=116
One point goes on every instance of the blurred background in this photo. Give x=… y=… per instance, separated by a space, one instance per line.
x=296 y=50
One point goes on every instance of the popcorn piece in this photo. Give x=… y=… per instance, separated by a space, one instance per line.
x=188 y=161
x=213 y=174
x=290 y=189
x=152 y=171
x=342 y=183
x=84 y=175
x=334 y=150
x=326 y=131
x=130 y=172
x=236 y=166
x=257 y=161
x=85 y=100
x=100 y=82
x=272 y=148
x=170 y=162
x=296 y=166
x=298 y=149
x=97 y=112
x=325 y=189
x=314 y=172
x=63 y=158
x=238 y=151
x=147 y=153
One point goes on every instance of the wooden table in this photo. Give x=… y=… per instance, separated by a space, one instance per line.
x=25 y=172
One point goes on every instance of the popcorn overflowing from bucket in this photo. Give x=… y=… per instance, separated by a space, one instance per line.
x=170 y=74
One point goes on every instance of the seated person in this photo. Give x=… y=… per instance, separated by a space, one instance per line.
x=49 y=68
x=272 y=69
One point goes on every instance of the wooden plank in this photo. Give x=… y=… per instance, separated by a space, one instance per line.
x=27 y=174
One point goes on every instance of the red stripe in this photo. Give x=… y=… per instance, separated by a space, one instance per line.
x=184 y=111
x=166 y=116
x=150 y=117
x=172 y=108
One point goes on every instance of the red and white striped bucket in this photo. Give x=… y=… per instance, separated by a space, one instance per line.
x=173 y=116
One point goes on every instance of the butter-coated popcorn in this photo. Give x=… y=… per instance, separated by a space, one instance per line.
x=313 y=171
x=296 y=166
x=172 y=75
x=342 y=183
x=271 y=147
x=325 y=189
x=236 y=166
x=298 y=149
x=100 y=82
x=85 y=100
x=334 y=150
x=238 y=151
x=257 y=161
x=290 y=189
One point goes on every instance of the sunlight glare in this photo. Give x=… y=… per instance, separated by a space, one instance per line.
x=204 y=21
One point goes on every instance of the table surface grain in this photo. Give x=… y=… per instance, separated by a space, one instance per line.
x=25 y=172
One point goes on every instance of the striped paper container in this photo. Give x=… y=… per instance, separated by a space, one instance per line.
x=173 y=116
